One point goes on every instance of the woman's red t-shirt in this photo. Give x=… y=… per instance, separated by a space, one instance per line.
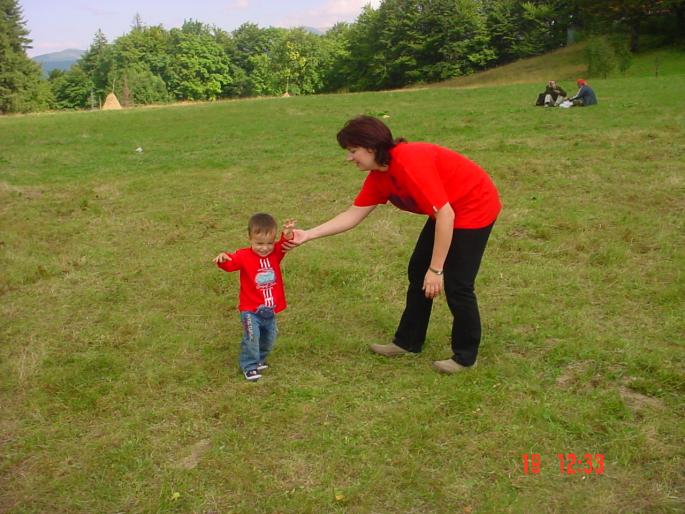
x=423 y=177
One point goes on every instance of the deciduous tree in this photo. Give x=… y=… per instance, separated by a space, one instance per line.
x=199 y=69
x=72 y=89
x=296 y=60
x=631 y=14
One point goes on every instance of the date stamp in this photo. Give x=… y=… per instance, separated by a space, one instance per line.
x=569 y=463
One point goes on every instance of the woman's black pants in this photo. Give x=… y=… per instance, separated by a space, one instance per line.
x=461 y=268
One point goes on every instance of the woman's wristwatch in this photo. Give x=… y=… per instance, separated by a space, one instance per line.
x=436 y=271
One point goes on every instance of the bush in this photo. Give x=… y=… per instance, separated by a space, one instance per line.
x=140 y=86
x=621 y=46
x=606 y=53
x=71 y=90
x=601 y=56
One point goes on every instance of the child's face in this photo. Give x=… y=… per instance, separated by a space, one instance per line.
x=263 y=243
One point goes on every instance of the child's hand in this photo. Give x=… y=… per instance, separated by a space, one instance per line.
x=288 y=227
x=222 y=257
x=299 y=237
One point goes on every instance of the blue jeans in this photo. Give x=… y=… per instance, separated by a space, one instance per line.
x=259 y=336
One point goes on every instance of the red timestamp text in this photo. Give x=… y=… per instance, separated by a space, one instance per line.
x=569 y=463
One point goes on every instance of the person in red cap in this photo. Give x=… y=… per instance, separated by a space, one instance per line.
x=585 y=95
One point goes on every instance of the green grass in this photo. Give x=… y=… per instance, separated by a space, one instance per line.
x=568 y=64
x=119 y=389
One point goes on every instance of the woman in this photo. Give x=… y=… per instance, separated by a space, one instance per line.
x=461 y=203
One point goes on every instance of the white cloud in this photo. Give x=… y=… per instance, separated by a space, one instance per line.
x=348 y=7
x=329 y=14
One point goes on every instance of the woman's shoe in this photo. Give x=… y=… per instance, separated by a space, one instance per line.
x=450 y=366
x=388 y=350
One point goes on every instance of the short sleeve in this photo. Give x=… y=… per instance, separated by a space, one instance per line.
x=372 y=191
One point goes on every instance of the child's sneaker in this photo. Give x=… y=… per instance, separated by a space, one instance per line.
x=252 y=375
x=262 y=366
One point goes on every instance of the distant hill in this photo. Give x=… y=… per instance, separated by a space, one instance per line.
x=58 y=60
x=315 y=30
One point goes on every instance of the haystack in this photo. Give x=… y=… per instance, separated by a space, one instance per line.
x=112 y=102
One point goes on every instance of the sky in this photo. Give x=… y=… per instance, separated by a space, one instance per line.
x=56 y=25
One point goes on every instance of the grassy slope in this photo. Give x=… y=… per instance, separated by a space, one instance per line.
x=566 y=65
x=117 y=356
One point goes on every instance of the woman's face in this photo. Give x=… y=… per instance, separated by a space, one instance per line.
x=364 y=158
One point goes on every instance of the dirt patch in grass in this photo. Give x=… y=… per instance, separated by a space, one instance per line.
x=576 y=375
x=26 y=191
x=193 y=455
x=637 y=401
x=573 y=374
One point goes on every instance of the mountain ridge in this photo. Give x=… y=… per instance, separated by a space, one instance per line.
x=62 y=60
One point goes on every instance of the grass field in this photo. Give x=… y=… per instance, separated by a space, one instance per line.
x=570 y=63
x=119 y=389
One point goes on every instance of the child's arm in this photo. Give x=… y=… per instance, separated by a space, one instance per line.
x=222 y=257
x=226 y=261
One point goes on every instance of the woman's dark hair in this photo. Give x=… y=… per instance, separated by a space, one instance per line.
x=370 y=133
x=261 y=223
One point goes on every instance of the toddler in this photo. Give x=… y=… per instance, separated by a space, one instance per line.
x=261 y=289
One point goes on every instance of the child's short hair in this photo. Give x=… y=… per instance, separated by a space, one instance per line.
x=262 y=223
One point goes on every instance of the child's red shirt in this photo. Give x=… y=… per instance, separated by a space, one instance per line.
x=261 y=282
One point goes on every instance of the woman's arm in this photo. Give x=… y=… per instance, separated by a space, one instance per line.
x=444 y=228
x=344 y=221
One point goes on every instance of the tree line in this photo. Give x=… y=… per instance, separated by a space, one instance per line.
x=399 y=43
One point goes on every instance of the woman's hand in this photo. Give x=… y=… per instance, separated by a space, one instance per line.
x=432 y=284
x=299 y=237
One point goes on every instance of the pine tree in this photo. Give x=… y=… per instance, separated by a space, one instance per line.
x=96 y=63
x=22 y=88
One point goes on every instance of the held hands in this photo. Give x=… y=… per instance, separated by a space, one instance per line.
x=222 y=257
x=432 y=284
x=288 y=227
x=299 y=237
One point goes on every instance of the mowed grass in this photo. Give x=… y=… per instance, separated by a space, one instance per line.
x=119 y=386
